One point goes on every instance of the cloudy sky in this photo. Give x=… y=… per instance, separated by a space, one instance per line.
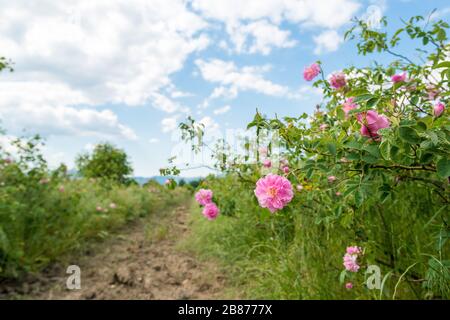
x=88 y=71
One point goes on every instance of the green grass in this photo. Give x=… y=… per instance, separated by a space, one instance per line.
x=290 y=255
x=39 y=224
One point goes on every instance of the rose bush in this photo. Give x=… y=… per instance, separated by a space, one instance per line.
x=382 y=133
x=45 y=214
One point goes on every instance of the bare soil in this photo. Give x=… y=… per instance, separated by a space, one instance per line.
x=143 y=262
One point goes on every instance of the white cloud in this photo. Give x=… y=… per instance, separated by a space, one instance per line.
x=102 y=52
x=50 y=109
x=327 y=41
x=153 y=140
x=258 y=21
x=306 y=92
x=222 y=110
x=439 y=14
x=211 y=128
x=163 y=103
x=169 y=124
x=258 y=37
x=235 y=79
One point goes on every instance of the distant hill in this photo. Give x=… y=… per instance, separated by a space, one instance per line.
x=162 y=179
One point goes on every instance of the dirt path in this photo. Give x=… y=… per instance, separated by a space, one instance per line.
x=143 y=262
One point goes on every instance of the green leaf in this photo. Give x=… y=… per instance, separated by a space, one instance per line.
x=373 y=150
x=4 y=243
x=363 y=97
x=332 y=148
x=443 y=168
x=342 y=276
x=445 y=64
x=385 y=150
x=369 y=159
x=409 y=135
x=357 y=92
x=372 y=102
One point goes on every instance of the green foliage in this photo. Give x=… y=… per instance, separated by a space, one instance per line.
x=45 y=214
x=106 y=162
x=5 y=64
x=390 y=194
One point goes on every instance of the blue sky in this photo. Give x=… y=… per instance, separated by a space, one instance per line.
x=128 y=71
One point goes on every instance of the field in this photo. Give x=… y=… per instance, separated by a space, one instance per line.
x=349 y=200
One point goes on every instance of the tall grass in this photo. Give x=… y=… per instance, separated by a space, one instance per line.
x=297 y=253
x=40 y=222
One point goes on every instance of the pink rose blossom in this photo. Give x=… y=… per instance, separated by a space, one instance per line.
x=299 y=187
x=439 y=109
x=323 y=126
x=371 y=122
x=112 y=205
x=338 y=80
x=286 y=169
x=311 y=72
x=204 y=196
x=99 y=208
x=349 y=105
x=273 y=192
x=432 y=91
x=353 y=250
x=350 y=263
x=210 y=211
x=263 y=151
x=331 y=179
x=267 y=163
x=398 y=77
x=44 y=181
x=349 y=285
x=284 y=162
x=61 y=189
x=338 y=194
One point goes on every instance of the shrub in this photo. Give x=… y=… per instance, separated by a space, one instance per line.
x=106 y=162
x=370 y=168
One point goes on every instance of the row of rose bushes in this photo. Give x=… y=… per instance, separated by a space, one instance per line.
x=374 y=159
x=46 y=214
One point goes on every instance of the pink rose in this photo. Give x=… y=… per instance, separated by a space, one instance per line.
x=44 y=181
x=438 y=109
x=432 y=91
x=210 y=211
x=284 y=162
x=331 y=179
x=267 y=163
x=338 y=80
x=398 y=77
x=273 y=192
x=299 y=187
x=286 y=169
x=263 y=151
x=349 y=105
x=371 y=122
x=311 y=72
x=204 y=196
x=349 y=285
x=323 y=127
x=350 y=262
x=353 y=250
